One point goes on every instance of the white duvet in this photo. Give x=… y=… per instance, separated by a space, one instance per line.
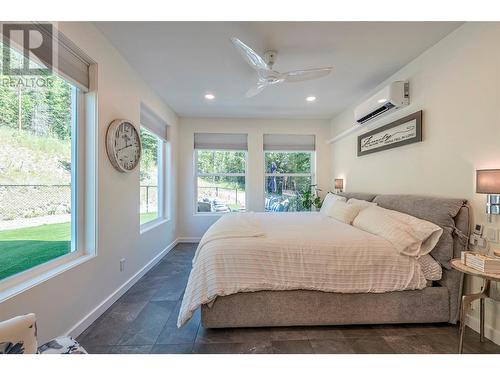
x=285 y=251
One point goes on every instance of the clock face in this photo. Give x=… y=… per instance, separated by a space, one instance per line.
x=123 y=145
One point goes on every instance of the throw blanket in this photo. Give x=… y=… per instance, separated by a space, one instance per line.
x=286 y=251
x=230 y=226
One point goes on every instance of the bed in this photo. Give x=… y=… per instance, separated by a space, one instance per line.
x=297 y=269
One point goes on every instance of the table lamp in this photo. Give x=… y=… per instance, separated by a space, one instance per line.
x=488 y=182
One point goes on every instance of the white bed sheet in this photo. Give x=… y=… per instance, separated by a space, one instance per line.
x=297 y=251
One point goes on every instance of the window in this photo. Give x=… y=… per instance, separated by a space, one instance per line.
x=220 y=172
x=41 y=137
x=289 y=171
x=150 y=176
x=151 y=169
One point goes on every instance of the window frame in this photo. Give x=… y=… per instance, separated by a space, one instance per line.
x=312 y=174
x=84 y=185
x=83 y=214
x=196 y=174
x=162 y=159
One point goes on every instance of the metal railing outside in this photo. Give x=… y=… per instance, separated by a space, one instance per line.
x=226 y=194
x=22 y=201
x=148 y=198
x=27 y=201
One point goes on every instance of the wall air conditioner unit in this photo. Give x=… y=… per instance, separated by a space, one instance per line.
x=390 y=98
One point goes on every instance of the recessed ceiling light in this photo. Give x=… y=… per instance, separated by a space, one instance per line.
x=311 y=98
x=209 y=96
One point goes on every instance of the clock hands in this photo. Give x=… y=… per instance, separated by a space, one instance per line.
x=123 y=148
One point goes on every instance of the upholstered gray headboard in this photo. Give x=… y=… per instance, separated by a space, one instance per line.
x=453 y=215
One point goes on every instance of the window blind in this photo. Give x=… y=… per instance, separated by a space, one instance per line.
x=153 y=122
x=220 y=141
x=289 y=142
x=62 y=55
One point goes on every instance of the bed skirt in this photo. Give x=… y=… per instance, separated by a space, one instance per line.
x=313 y=308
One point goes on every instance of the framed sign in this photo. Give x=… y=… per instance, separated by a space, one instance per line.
x=398 y=133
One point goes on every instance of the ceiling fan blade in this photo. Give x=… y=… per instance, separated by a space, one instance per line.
x=304 y=75
x=256 y=89
x=251 y=57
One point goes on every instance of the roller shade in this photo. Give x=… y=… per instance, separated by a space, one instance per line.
x=153 y=122
x=62 y=55
x=220 y=141
x=289 y=142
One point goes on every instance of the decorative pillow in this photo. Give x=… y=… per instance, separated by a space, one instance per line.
x=362 y=203
x=330 y=197
x=409 y=235
x=342 y=211
x=18 y=335
x=421 y=228
x=430 y=268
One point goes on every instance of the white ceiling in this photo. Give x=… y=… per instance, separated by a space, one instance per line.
x=182 y=61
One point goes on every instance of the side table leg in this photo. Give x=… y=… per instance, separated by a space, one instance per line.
x=466 y=301
x=463 y=313
x=481 y=320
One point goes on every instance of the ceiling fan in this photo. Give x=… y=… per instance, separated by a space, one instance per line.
x=264 y=67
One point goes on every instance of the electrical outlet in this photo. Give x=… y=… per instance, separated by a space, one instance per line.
x=122 y=264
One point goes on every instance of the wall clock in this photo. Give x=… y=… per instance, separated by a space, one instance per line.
x=123 y=145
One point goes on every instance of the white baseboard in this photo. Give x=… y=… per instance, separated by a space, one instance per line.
x=489 y=332
x=86 y=321
x=188 y=239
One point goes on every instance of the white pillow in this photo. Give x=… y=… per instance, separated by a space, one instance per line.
x=428 y=232
x=330 y=197
x=430 y=268
x=362 y=203
x=342 y=211
x=409 y=235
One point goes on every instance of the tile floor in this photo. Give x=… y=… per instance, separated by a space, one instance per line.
x=144 y=320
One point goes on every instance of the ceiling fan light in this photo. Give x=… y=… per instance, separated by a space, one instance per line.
x=310 y=99
x=209 y=96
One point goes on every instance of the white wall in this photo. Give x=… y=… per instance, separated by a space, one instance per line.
x=456 y=84
x=64 y=300
x=193 y=226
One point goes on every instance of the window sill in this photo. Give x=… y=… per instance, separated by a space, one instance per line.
x=16 y=284
x=153 y=224
x=210 y=214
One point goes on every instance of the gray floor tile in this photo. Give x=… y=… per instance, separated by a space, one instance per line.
x=358 y=331
x=417 y=329
x=369 y=345
x=98 y=349
x=404 y=344
x=131 y=349
x=332 y=346
x=325 y=332
x=184 y=335
x=292 y=347
x=174 y=335
x=233 y=348
x=171 y=290
x=148 y=325
x=109 y=329
x=233 y=335
x=172 y=349
x=288 y=333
